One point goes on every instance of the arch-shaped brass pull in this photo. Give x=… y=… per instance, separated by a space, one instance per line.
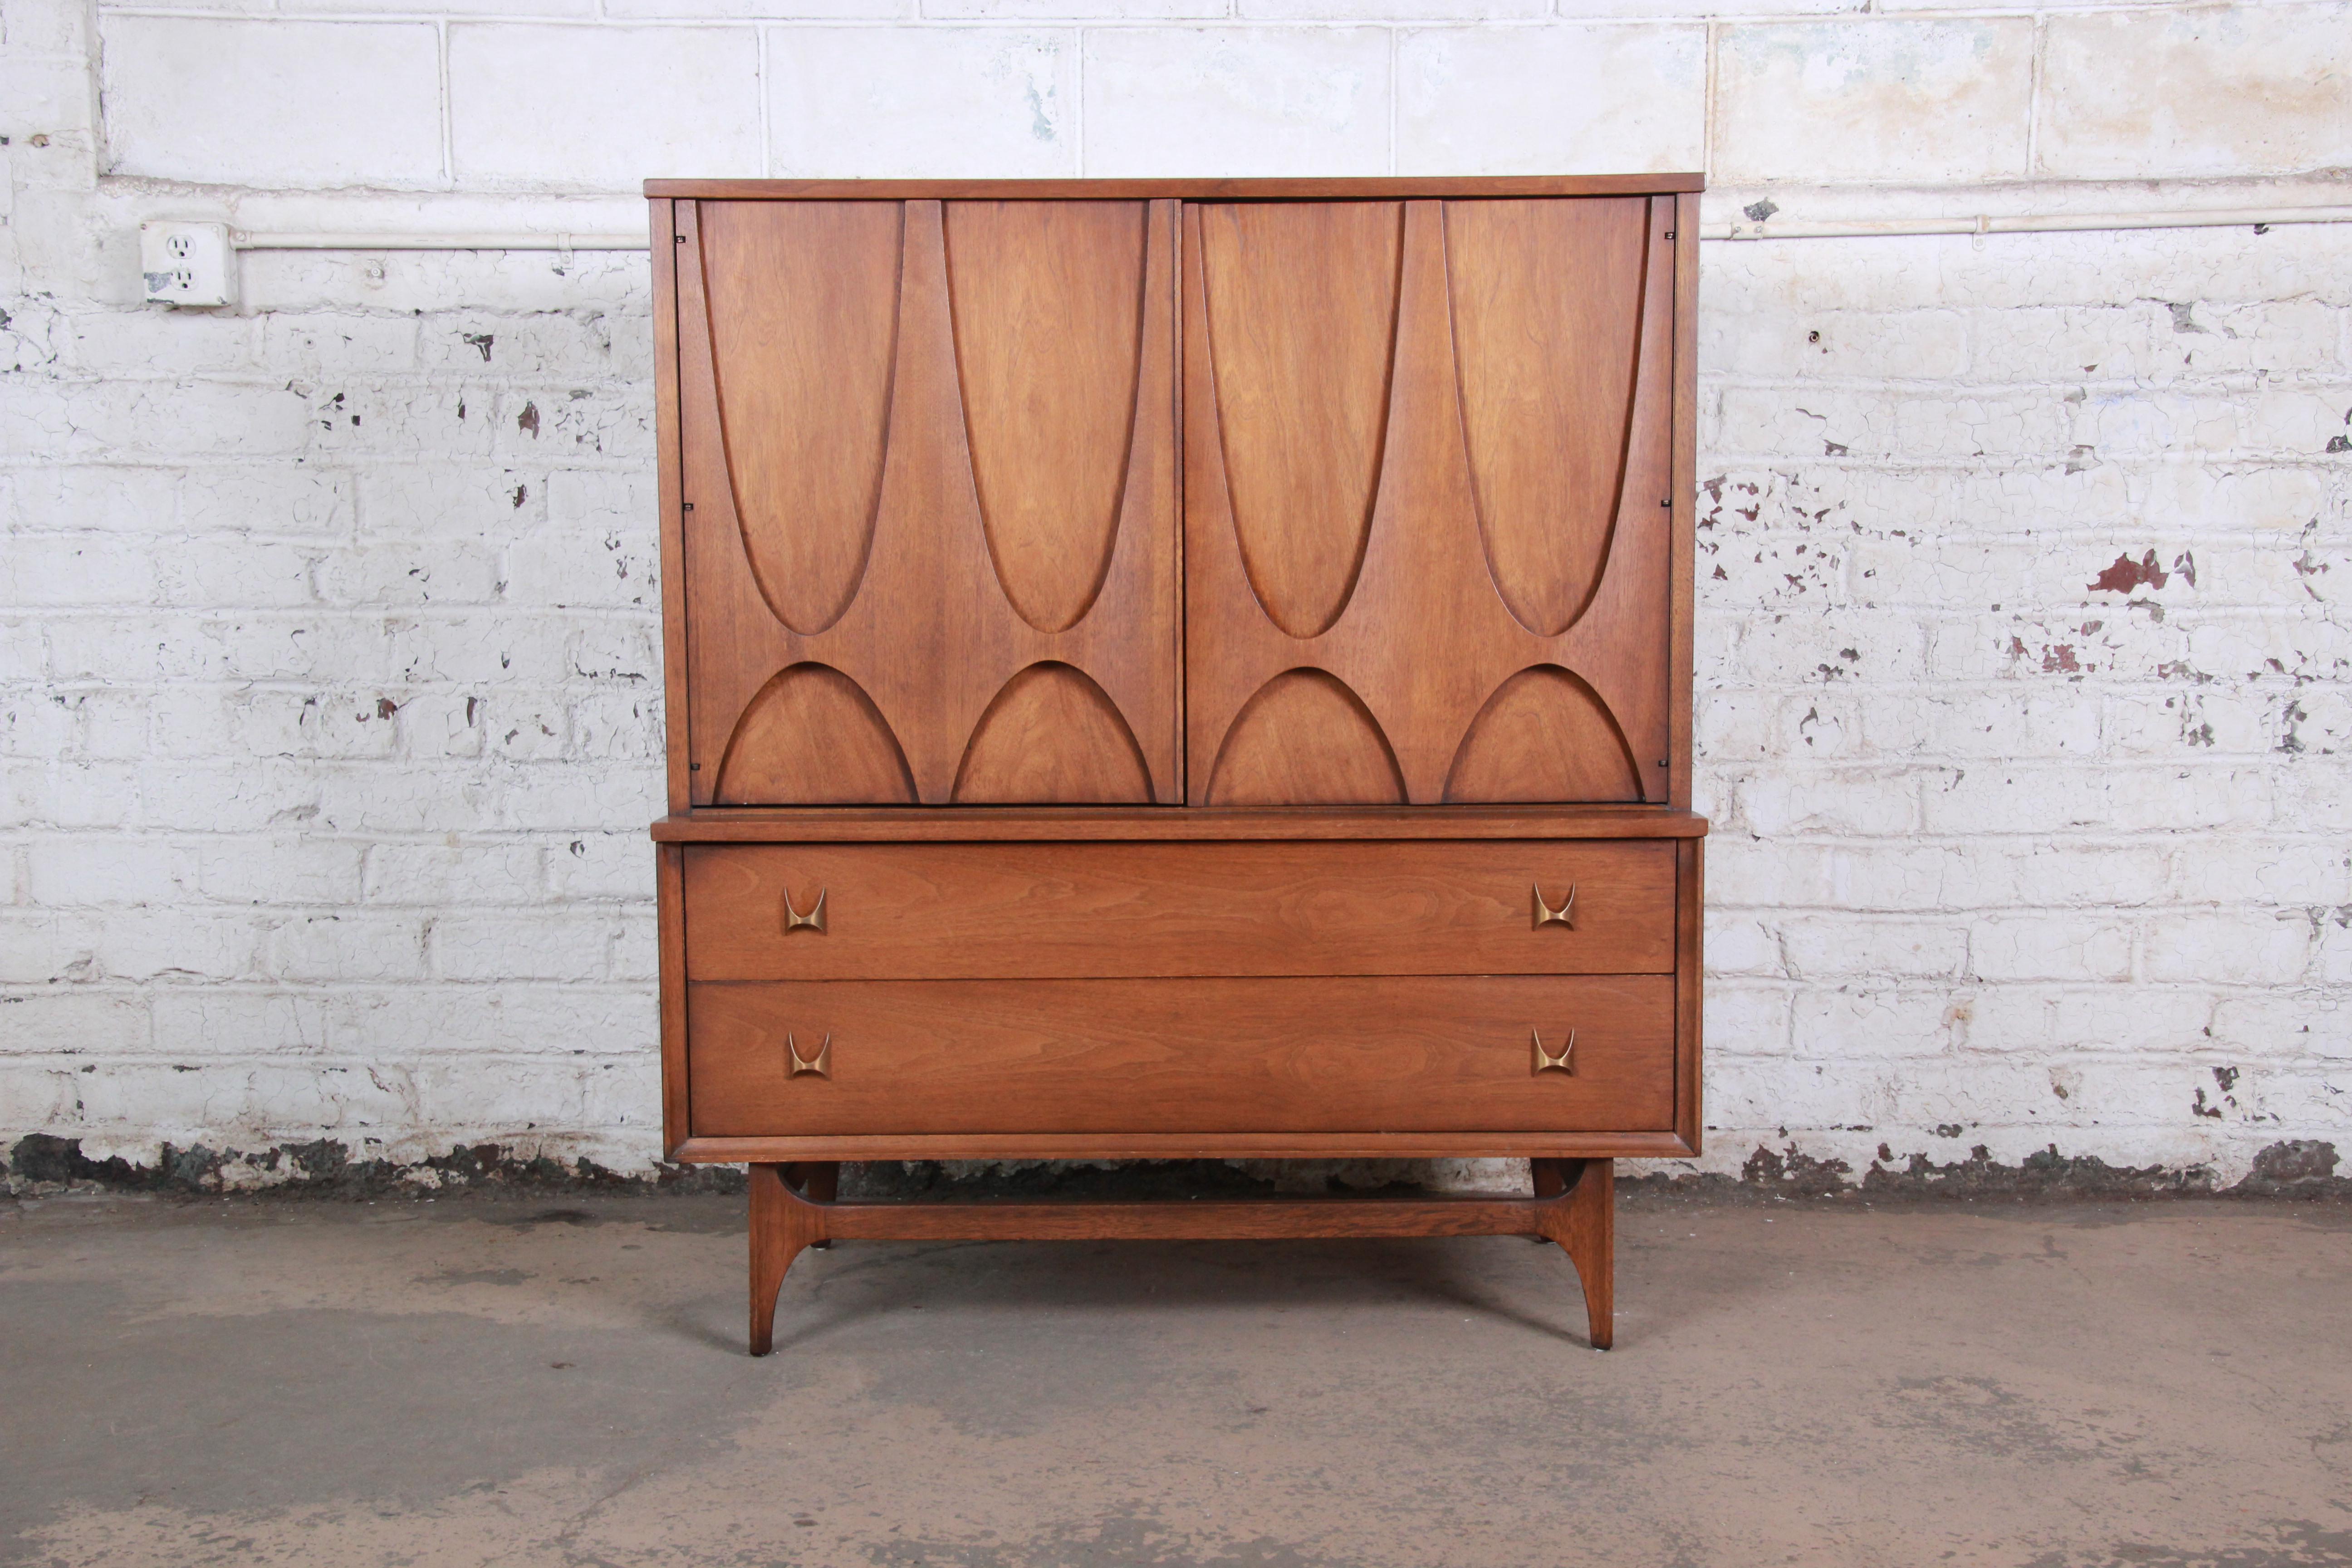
x=821 y=1065
x=794 y=920
x=1563 y=915
x=1545 y=1061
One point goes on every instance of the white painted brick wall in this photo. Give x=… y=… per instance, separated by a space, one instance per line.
x=328 y=709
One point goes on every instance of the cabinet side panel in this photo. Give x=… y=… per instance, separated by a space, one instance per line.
x=1690 y=866
x=663 y=239
x=1685 y=496
x=669 y=894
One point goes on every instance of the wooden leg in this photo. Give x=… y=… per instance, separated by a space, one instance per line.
x=819 y=1181
x=1586 y=1228
x=781 y=1226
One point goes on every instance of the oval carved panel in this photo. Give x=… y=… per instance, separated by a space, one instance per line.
x=803 y=303
x=812 y=737
x=1305 y=739
x=1052 y=738
x=1302 y=308
x=1544 y=735
x=1047 y=299
x=1547 y=299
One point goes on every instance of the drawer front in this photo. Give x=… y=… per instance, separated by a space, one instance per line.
x=1217 y=1055
x=946 y=911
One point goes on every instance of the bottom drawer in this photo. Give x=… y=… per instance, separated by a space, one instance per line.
x=1328 y=1055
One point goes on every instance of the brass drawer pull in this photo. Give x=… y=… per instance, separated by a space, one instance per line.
x=823 y=1064
x=1545 y=1061
x=814 y=919
x=1563 y=915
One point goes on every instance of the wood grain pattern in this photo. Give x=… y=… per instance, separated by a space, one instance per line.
x=981 y=910
x=1048 y=305
x=669 y=913
x=662 y=235
x=1547 y=298
x=1690 y=979
x=1426 y=640
x=1683 y=572
x=809 y=294
x=1577 y=1211
x=1304 y=739
x=845 y=824
x=1555 y=1145
x=1332 y=1055
x=1301 y=327
x=1343 y=188
x=1052 y=738
x=928 y=635
x=1543 y=736
x=812 y=735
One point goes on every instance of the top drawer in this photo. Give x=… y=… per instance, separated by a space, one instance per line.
x=944 y=911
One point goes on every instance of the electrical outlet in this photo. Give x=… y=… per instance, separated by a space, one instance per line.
x=187 y=263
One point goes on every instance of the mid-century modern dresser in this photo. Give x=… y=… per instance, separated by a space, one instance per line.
x=1178 y=670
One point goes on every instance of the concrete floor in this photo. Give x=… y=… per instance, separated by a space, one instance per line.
x=524 y=1383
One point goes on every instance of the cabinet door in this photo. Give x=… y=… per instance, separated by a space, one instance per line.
x=928 y=453
x=1428 y=468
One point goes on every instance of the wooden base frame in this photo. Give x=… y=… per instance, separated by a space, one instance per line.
x=794 y=1207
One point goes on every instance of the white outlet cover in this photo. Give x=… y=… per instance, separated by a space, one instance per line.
x=187 y=263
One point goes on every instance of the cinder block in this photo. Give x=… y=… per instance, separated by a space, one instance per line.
x=434 y=875
x=2050 y=947
x=240 y=1022
x=2236 y=89
x=2279 y=1024
x=769 y=10
x=1740 y=943
x=269 y=722
x=1842 y=946
x=347 y=946
x=75 y=569
x=1883 y=101
x=937 y=102
x=1829 y=801
x=338 y=343
x=77 y=1022
x=272 y=102
x=2248 y=947
x=440 y=499
x=535 y=107
x=1238 y=101
x=1555 y=99
x=278 y=871
x=602 y=866
x=239 y=570
x=388 y=573
x=59 y=497
x=264 y=498
x=68 y=871
x=518 y=944
x=2099 y=798
x=179 y=944
x=42 y=947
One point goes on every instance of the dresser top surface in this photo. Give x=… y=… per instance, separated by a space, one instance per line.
x=799 y=824
x=1467 y=187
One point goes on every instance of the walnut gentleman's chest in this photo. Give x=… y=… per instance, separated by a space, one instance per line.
x=1178 y=670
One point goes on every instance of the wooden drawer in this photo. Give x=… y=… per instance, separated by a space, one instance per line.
x=942 y=911
x=1216 y=1055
